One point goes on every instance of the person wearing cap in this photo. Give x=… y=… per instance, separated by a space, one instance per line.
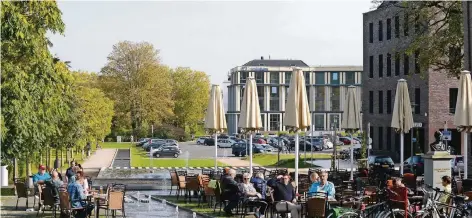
x=41 y=176
x=251 y=196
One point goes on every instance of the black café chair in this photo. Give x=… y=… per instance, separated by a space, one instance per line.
x=49 y=201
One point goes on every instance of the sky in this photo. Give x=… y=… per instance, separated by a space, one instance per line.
x=214 y=36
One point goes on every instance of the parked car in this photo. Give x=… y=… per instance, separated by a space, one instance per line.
x=259 y=141
x=271 y=135
x=224 y=143
x=201 y=140
x=172 y=142
x=169 y=151
x=142 y=141
x=414 y=164
x=154 y=146
x=457 y=164
x=209 y=141
x=269 y=148
x=381 y=162
x=239 y=149
x=347 y=140
x=153 y=141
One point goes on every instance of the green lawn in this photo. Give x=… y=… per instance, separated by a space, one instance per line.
x=140 y=158
x=286 y=160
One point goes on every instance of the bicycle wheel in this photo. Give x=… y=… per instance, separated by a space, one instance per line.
x=350 y=215
x=397 y=214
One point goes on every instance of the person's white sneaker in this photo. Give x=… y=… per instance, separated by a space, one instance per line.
x=37 y=197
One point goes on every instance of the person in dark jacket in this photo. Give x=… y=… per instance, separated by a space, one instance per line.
x=231 y=192
x=69 y=171
x=284 y=194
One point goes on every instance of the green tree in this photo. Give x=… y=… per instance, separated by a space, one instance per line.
x=31 y=87
x=138 y=84
x=436 y=31
x=190 y=94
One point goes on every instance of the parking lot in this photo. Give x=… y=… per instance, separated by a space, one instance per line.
x=201 y=151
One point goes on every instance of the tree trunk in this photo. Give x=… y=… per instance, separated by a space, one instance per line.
x=15 y=168
x=62 y=153
x=28 y=167
x=67 y=154
x=56 y=161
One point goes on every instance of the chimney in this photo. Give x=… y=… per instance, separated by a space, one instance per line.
x=262 y=57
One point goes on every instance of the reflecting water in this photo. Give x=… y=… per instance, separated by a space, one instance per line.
x=134 y=174
x=139 y=204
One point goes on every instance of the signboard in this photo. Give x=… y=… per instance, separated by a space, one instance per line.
x=118 y=139
x=447 y=135
x=417 y=125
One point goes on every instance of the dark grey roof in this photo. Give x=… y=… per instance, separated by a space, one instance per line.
x=386 y=4
x=276 y=63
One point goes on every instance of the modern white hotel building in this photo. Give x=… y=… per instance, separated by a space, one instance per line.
x=326 y=89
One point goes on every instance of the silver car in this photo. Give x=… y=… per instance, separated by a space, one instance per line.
x=457 y=164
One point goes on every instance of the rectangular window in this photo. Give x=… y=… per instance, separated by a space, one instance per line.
x=406 y=65
x=241 y=92
x=371 y=132
x=260 y=95
x=381 y=66
x=417 y=100
x=380 y=30
x=334 y=121
x=371 y=32
x=417 y=24
x=319 y=78
x=335 y=98
x=288 y=77
x=307 y=77
x=274 y=98
x=380 y=138
x=389 y=138
x=371 y=102
x=259 y=77
x=397 y=27
x=417 y=62
x=397 y=64
x=389 y=101
x=453 y=92
x=371 y=66
x=319 y=98
x=319 y=122
x=274 y=77
x=405 y=24
x=243 y=75
x=335 y=78
x=350 y=78
x=381 y=106
x=274 y=120
x=389 y=65
x=389 y=29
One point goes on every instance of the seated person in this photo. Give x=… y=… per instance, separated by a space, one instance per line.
x=446 y=183
x=56 y=180
x=77 y=197
x=284 y=194
x=230 y=191
x=41 y=176
x=252 y=196
x=314 y=177
x=323 y=186
x=260 y=184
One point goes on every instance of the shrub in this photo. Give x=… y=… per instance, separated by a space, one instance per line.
x=167 y=131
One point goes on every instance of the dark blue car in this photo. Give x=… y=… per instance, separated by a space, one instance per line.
x=239 y=149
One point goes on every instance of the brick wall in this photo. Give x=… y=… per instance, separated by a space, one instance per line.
x=439 y=85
